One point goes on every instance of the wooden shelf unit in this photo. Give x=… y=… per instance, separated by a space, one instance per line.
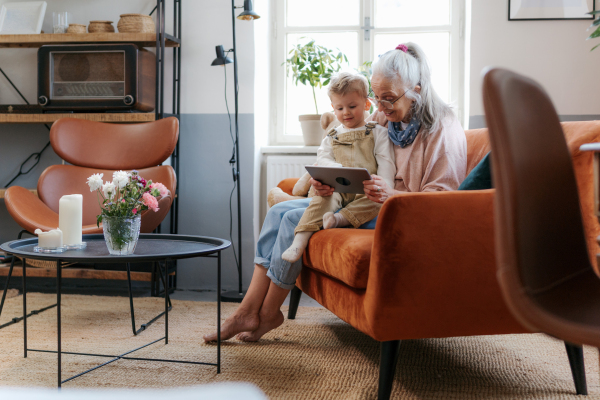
x=33 y=40
x=49 y=118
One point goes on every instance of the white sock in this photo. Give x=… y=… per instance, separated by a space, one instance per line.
x=295 y=251
x=337 y=220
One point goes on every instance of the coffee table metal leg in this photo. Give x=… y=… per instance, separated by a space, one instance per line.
x=58 y=294
x=147 y=324
x=10 y=271
x=219 y=312
x=24 y=307
x=166 y=284
x=130 y=298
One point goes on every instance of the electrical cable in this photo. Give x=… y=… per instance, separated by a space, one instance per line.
x=36 y=156
x=232 y=160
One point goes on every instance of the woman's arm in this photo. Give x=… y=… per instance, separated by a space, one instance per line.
x=378 y=190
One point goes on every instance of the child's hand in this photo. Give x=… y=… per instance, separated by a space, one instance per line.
x=321 y=189
x=377 y=190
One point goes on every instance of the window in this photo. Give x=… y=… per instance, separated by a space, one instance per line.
x=363 y=29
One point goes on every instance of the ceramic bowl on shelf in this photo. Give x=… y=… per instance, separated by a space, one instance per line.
x=76 y=28
x=100 y=26
x=136 y=23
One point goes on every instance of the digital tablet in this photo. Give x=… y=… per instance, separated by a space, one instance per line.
x=343 y=180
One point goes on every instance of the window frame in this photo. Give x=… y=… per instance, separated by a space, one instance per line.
x=456 y=30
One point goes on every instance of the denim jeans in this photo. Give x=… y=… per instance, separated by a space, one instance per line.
x=277 y=234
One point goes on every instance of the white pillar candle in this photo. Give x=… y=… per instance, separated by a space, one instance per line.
x=53 y=238
x=70 y=216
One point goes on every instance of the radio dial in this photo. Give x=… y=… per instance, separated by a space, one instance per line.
x=128 y=100
x=43 y=100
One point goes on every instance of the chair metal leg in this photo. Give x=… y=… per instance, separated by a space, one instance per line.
x=294 y=302
x=575 y=354
x=387 y=368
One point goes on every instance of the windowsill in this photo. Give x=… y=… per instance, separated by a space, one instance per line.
x=289 y=149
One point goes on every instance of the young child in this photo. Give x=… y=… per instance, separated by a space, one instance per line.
x=356 y=144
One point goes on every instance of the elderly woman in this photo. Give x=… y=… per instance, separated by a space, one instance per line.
x=430 y=154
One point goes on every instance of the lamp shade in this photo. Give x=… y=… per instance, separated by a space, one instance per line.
x=248 y=14
x=221 y=59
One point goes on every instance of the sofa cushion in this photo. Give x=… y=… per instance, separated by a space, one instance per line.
x=480 y=177
x=478 y=145
x=343 y=254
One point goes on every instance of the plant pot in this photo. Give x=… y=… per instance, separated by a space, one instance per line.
x=121 y=234
x=311 y=129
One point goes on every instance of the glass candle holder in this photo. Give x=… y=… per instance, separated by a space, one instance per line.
x=60 y=21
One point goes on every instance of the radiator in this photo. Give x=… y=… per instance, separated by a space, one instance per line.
x=280 y=167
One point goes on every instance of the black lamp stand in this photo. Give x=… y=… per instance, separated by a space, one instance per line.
x=236 y=295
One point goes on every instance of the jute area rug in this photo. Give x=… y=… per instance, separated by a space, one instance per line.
x=316 y=356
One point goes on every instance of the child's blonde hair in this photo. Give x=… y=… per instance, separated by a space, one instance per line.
x=348 y=82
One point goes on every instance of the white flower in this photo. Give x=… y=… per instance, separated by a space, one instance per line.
x=120 y=179
x=109 y=190
x=95 y=182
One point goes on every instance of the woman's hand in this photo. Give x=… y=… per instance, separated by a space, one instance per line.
x=321 y=189
x=377 y=190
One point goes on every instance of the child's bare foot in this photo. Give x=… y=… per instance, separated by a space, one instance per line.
x=337 y=220
x=295 y=251
x=234 y=325
x=267 y=323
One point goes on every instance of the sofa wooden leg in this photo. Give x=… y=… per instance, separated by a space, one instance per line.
x=387 y=367
x=575 y=354
x=294 y=301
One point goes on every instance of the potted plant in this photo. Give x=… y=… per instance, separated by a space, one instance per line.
x=595 y=25
x=313 y=65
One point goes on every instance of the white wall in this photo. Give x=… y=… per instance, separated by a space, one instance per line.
x=555 y=53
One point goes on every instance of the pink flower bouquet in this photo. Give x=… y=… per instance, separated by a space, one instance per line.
x=127 y=195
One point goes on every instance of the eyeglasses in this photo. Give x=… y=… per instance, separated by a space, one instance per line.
x=384 y=103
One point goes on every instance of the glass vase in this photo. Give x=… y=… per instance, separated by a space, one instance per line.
x=121 y=234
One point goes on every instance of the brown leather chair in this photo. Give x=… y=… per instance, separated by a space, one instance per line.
x=543 y=267
x=96 y=147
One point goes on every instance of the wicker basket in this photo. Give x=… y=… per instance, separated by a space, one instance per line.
x=100 y=26
x=136 y=23
x=76 y=28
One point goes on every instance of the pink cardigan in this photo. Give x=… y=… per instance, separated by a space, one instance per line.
x=434 y=161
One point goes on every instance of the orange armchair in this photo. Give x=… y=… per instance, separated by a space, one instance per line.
x=97 y=147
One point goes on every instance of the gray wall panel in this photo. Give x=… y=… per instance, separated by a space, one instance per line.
x=205 y=185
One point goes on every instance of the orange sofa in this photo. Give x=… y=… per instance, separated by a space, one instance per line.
x=428 y=269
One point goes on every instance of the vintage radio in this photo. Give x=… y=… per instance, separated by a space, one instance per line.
x=96 y=77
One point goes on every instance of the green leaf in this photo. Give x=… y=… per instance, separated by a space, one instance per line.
x=595 y=34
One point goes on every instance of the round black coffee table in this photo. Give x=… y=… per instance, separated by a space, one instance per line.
x=157 y=248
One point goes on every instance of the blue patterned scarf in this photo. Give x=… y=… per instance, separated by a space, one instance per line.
x=405 y=137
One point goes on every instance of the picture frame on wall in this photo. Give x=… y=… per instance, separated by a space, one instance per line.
x=540 y=10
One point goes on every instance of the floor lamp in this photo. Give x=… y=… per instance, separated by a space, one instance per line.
x=222 y=59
